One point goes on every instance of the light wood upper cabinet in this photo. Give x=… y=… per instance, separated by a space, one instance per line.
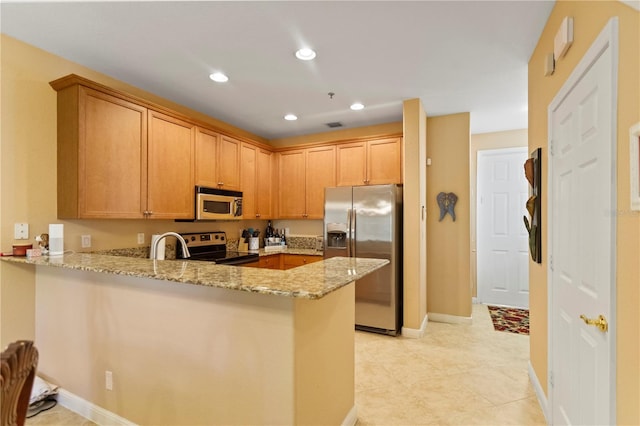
x=256 y=166
x=170 y=167
x=291 y=184
x=320 y=174
x=217 y=160
x=102 y=170
x=372 y=162
x=303 y=175
x=229 y=163
x=120 y=160
x=264 y=194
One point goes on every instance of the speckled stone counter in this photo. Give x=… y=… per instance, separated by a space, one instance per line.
x=300 y=251
x=311 y=281
x=266 y=346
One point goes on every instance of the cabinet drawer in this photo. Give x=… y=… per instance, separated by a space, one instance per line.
x=295 y=260
x=273 y=261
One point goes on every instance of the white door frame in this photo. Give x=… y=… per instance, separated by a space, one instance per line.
x=483 y=153
x=608 y=38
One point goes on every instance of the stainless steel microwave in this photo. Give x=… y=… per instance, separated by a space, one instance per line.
x=218 y=204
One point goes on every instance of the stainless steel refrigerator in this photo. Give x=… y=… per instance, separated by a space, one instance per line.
x=366 y=221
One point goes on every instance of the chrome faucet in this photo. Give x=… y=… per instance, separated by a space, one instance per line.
x=154 y=245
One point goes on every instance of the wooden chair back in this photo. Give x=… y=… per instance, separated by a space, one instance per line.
x=18 y=369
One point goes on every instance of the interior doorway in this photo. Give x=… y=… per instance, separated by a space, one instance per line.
x=502 y=239
x=582 y=238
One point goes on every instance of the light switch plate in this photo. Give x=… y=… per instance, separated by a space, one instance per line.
x=140 y=237
x=86 y=241
x=21 y=231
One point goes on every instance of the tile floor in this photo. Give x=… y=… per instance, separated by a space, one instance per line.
x=455 y=375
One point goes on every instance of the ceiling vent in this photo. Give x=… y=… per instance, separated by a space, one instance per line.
x=334 y=124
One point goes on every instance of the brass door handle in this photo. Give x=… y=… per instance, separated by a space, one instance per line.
x=600 y=322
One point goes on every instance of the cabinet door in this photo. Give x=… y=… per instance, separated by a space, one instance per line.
x=272 y=261
x=320 y=174
x=291 y=184
x=384 y=161
x=248 y=180
x=352 y=160
x=294 y=260
x=264 y=185
x=229 y=163
x=111 y=158
x=170 y=167
x=206 y=157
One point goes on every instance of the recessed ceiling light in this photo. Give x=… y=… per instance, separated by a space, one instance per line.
x=219 y=77
x=357 y=106
x=290 y=117
x=305 y=54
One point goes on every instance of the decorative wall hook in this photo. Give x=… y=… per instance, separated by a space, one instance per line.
x=447 y=203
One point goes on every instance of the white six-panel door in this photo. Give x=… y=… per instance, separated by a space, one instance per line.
x=502 y=239
x=582 y=239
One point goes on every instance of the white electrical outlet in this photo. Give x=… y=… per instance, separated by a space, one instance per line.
x=140 y=237
x=108 y=380
x=86 y=241
x=21 y=231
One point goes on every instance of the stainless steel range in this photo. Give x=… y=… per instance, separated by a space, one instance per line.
x=212 y=247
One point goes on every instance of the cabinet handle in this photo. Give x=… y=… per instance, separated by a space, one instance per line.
x=220 y=183
x=257 y=214
x=150 y=212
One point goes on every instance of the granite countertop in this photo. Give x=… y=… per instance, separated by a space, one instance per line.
x=311 y=281
x=289 y=250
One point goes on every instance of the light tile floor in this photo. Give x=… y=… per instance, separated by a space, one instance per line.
x=454 y=375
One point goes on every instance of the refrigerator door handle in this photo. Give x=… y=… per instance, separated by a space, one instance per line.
x=348 y=242
x=353 y=233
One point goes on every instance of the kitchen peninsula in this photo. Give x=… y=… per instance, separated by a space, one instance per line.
x=197 y=343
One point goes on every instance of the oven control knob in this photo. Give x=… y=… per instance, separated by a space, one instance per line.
x=193 y=238
x=217 y=236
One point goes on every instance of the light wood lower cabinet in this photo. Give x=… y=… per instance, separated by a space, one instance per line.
x=294 y=260
x=302 y=176
x=272 y=261
x=283 y=261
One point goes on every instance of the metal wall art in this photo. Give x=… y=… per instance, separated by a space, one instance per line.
x=533 y=172
x=447 y=202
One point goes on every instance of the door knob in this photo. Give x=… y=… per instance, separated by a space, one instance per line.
x=600 y=322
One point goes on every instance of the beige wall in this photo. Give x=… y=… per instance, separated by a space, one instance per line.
x=480 y=142
x=189 y=354
x=448 y=245
x=415 y=281
x=589 y=19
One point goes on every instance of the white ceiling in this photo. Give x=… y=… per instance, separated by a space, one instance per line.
x=456 y=56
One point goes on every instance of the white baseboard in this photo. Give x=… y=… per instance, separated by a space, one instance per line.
x=413 y=333
x=352 y=417
x=450 y=319
x=90 y=411
x=542 y=398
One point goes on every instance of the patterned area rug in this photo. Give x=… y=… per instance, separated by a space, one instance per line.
x=512 y=320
